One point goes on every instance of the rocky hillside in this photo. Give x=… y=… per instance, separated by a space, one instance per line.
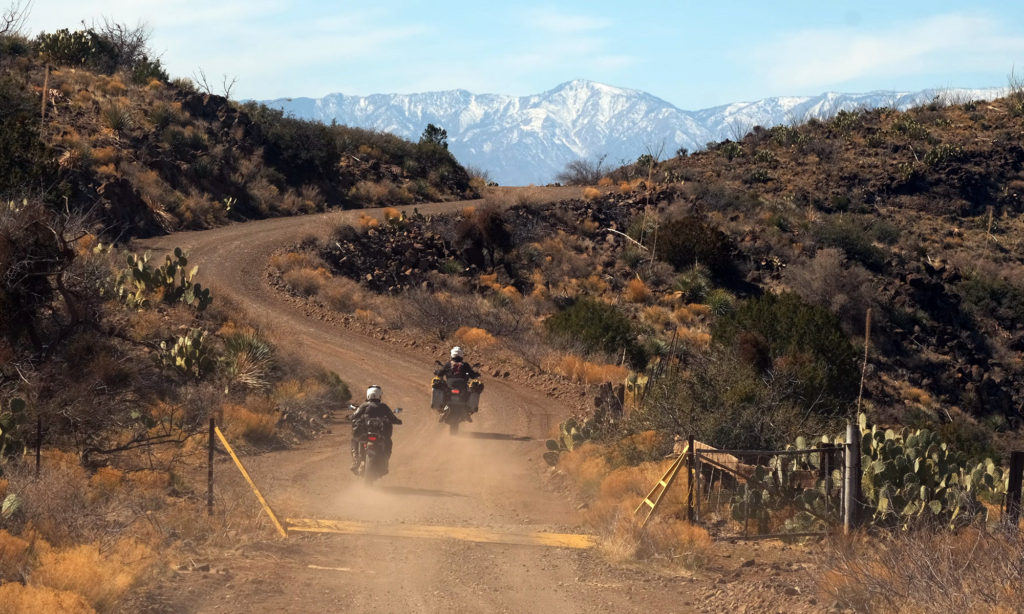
x=143 y=154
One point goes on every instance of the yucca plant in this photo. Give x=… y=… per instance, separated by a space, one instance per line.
x=248 y=360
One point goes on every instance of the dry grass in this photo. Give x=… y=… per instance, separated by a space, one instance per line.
x=637 y=291
x=17 y=598
x=584 y=372
x=307 y=281
x=590 y=193
x=614 y=495
x=253 y=426
x=101 y=578
x=693 y=338
x=289 y=261
x=926 y=570
x=14 y=557
x=366 y=222
x=342 y=294
x=475 y=337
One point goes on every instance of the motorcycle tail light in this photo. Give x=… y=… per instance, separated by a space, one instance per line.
x=455 y=392
x=372 y=438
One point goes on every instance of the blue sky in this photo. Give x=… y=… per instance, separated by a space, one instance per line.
x=692 y=54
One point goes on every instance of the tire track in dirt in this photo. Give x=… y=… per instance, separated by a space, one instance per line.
x=492 y=480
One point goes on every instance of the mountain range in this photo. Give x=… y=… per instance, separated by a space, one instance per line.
x=522 y=140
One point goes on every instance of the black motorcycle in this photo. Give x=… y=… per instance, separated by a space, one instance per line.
x=457 y=399
x=374 y=452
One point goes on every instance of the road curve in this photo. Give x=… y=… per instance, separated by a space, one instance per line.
x=489 y=478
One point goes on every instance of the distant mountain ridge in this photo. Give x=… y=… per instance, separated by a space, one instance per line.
x=521 y=140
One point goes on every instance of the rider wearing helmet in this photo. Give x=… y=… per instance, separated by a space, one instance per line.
x=372 y=408
x=456 y=366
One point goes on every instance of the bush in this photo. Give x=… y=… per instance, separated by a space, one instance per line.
x=726 y=402
x=686 y=241
x=597 y=327
x=786 y=336
x=581 y=172
x=852 y=237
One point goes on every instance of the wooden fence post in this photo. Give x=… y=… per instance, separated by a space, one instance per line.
x=851 y=479
x=209 y=471
x=1013 y=489
x=689 y=480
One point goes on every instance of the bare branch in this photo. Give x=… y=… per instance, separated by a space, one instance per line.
x=13 y=18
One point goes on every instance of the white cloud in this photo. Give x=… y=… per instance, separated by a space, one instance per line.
x=825 y=57
x=557 y=22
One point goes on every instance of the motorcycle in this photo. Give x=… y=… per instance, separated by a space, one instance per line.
x=456 y=398
x=373 y=448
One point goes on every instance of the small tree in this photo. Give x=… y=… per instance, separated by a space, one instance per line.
x=581 y=172
x=435 y=135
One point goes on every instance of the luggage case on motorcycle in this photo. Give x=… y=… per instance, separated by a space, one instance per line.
x=475 y=388
x=437 y=398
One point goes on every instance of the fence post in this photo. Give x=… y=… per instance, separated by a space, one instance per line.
x=209 y=471
x=1013 y=489
x=689 y=480
x=851 y=479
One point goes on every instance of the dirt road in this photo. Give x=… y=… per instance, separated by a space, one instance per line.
x=489 y=477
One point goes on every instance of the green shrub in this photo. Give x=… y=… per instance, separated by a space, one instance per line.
x=597 y=327
x=791 y=337
x=994 y=298
x=853 y=238
x=689 y=240
x=944 y=154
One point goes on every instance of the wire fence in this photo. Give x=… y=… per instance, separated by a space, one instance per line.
x=767 y=493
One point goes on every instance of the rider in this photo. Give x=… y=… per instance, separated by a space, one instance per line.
x=372 y=408
x=457 y=367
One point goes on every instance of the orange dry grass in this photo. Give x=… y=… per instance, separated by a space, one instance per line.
x=475 y=337
x=391 y=214
x=342 y=294
x=637 y=291
x=255 y=427
x=306 y=281
x=590 y=193
x=14 y=557
x=657 y=317
x=365 y=221
x=101 y=579
x=17 y=598
x=289 y=261
x=105 y=482
x=605 y=182
x=693 y=338
x=581 y=371
x=3 y=488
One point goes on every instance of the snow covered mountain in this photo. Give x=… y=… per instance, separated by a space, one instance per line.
x=528 y=139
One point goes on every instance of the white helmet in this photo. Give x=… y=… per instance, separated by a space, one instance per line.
x=373 y=393
x=456 y=352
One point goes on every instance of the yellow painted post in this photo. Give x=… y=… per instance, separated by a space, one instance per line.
x=245 y=474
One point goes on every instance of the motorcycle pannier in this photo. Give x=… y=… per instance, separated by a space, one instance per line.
x=437 y=397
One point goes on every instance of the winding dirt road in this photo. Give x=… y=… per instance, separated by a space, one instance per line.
x=489 y=477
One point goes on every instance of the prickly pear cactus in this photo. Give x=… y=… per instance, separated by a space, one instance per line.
x=189 y=354
x=913 y=473
x=139 y=281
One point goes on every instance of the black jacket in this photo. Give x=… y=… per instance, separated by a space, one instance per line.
x=457 y=368
x=373 y=409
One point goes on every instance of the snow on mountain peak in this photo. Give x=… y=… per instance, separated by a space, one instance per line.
x=529 y=139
